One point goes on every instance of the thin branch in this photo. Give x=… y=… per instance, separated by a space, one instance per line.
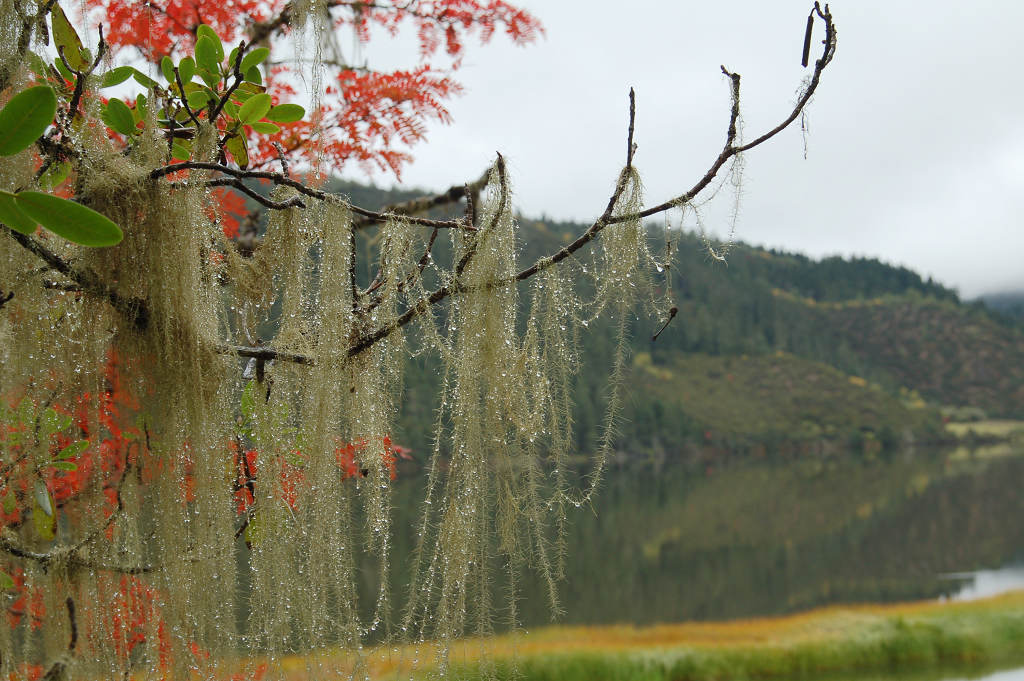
x=293 y=202
x=503 y=206
x=184 y=98
x=264 y=354
x=471 y=198
x=630 y=145
x=281 y=157
x=278 y=178
x=73 y=638
x=237 y=73
x=57 y=555
x=607 y=218
x=353 y=286
x=734 y=113
x=425 y=203
x=729 y=151
x=672 y=312
x=133 y=310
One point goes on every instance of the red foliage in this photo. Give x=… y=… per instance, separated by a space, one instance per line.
x=231 y=206
x=366 y=116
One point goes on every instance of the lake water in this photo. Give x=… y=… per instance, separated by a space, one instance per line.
x=672 y=544
x=753 y=538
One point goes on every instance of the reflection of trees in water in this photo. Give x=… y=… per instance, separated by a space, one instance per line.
x=758 y=539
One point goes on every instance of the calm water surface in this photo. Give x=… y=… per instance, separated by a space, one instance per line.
x=671 y=545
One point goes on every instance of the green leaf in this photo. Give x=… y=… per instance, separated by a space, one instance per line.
x=286 y=113
x=38 y=66
x=239 y=150
x=27 y=412
x=254 y=109
x=63 y=70
x=10 y=503
x=45 y=524
x=231 y=109
x=73 y=221
x=265 y=128
x=143 y=80
x=64 y=465
x=206 y=56
x=140 y=111
x=6 y=581
x=12 y=216
x=254 y=58
x=253 y=75
x=73 y=450
x=187 y=69
x=167 y=68
x=204 y=31
x=209 y=77
x=249 y=399
x=49 y=421
x=116 y=76
x=65 y=37
x=199 y=99
x=250 y=88
x=55 y=175
x=42 y=497
x=25 y=118
x=179 y=152
x=118 y=116
x=254 y=529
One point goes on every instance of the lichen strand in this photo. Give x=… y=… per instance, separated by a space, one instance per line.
x=241 y=517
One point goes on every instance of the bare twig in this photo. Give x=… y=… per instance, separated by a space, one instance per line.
x=672 y=312
x=184 y=98
x=607 y=218
x=425 y=203
x=237 y=73
x=293 y=202
x=264 y=354
x=278 y=178
x=281 y=157
x=133 y=310
x=630 y=145
x=503 y=207
x=50 y=557
x=73 y=638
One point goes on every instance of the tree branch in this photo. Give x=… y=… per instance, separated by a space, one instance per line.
x=133 y=310
x=424 y=203
x=278 y=178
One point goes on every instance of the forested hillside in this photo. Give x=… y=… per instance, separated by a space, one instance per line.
x=773 y=352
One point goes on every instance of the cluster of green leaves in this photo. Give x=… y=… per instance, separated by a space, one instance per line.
x=22 y=121
x=228 y=91
x=29 y=439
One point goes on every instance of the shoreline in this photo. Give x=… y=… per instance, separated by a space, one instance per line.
x=960 y=636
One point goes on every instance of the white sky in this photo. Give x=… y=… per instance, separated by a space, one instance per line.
x=916 y=145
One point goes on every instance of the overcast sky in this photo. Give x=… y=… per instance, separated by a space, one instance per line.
x=915 y=152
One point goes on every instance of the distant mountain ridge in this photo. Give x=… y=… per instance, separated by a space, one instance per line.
x=837 y=351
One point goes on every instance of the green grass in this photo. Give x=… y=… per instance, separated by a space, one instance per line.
x=1007 y=429
x=836 y=642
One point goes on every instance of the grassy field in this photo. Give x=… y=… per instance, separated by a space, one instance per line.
x=921 y=641
x=916 y=638
x=995 y=428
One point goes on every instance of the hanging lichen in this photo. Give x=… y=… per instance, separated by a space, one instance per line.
x=196 y=438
